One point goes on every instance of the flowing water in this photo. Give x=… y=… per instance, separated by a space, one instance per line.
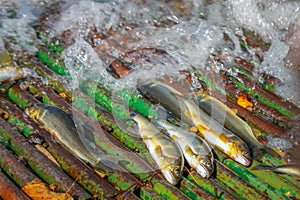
x=189 y=31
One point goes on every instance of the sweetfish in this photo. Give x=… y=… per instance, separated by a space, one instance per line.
x=163 y=149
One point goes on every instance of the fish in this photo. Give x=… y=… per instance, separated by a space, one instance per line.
x=196 y=151
x=11 y=73
x=61 y=124
x=163 y=149
x=215 y=134
x=224 y=115
x=291 y=169
x=163 y=94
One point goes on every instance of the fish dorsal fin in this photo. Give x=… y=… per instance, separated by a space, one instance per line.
x=193 y=129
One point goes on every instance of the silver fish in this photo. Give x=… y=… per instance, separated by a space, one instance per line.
x=163 y=149
x=224 y=140
x=61 y=124
x=224 y=115
x=195 y=150
x=11 y=73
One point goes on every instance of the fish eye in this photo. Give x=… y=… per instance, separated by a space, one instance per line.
x=176 y=171
x=246 y=152
x=207 y=162
x=134 y=124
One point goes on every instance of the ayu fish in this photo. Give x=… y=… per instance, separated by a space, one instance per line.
x=212 y=131
x=195 y=150
x=163 y=94
x=217 y=136
x=61 y=124
x=224 y=115
x=163 y=149
x=291 y=169
x=9 y=72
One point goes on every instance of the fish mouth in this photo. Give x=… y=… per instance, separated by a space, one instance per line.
x=242 y=160
x=170 y=176
x=203 y=171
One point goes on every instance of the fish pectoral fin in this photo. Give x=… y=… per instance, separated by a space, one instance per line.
x=188 y=150
x=174 y=137
x=224 y=138
x=159 y=152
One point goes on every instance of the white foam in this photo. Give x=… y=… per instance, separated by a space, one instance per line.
x=189 y=31
x=81 y=17
x=267 y=18
x=20 y=31
x=279 y=143
x=84 y=64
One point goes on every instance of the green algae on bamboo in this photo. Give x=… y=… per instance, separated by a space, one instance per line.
x=262 y=99
x=255 y=181
x=117 y=132
x=160 y=187
x=193 y=191
x=16 y=97
x=148 y=193
x=52 y=63
x=210 y=186
x=230 y=180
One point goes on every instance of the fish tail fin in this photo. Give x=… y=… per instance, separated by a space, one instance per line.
x=263 y=167
x=259 y=153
